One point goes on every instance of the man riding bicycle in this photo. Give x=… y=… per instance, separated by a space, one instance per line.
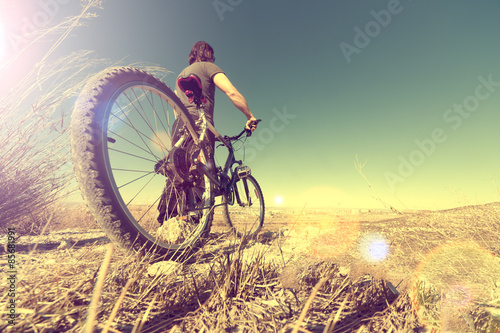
x=201 y=64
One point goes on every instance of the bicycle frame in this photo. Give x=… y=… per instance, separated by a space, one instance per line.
x=227 y=165
x=212 y=176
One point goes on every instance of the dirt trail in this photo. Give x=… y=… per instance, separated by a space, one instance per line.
x=291 y=238
x=455 y=251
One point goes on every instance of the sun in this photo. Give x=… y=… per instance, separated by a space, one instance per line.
x=278 y=200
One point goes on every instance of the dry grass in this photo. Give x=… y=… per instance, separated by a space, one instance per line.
x=230 y=289
x=33 y=130
x=33 y=171
x=225 y=293
x=234 y=288
x=35 y=167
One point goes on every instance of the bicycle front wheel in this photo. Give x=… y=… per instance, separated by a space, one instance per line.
x=121 y=129
x=246 y=213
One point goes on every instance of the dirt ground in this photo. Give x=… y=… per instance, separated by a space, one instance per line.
x=319 y=235
x=404 y=240
x=397 y=248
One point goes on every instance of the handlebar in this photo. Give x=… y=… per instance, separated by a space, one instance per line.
x=248 y=132
x=255 y=122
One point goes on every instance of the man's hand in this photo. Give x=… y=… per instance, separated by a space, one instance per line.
x=251 y=124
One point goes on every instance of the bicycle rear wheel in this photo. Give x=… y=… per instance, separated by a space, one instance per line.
x=121 y=128
x=246 y=213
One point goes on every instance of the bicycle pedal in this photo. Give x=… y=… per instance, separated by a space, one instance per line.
x=243 y=171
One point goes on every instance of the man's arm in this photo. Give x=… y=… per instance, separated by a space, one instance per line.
x=223 y=83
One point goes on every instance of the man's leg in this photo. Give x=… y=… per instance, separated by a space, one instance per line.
x=167 y=207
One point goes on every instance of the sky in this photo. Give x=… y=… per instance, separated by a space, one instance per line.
x=408 y=89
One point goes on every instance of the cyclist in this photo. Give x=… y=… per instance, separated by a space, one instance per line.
x=201 y=63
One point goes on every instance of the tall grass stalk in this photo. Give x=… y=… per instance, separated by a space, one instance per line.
x=34 y=170
x=96 y=296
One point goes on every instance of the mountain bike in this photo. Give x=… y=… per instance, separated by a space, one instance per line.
x=128 y=166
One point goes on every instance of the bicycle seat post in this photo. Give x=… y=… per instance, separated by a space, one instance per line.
x=191 y=86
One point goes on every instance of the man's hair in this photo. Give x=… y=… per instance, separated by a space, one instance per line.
x=201 y=51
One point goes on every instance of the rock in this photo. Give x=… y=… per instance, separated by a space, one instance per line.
x=175 y=230
x=289 y=279
x=65 y=244
x=266 y=237
x=344 y=271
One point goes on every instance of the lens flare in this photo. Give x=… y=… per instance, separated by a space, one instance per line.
x=459 y=296
x=373 y=248
x=454 y=279
x=161 y=142
x=324 y=236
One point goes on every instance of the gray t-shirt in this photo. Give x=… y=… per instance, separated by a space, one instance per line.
x=205 y=71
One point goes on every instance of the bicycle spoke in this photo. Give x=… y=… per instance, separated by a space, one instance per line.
x=143 y=114
x=149 y=208
x=121 y=137
x=151 y=102
x=157 y=119
x=139 y=133
x=134 y=180
x=246 y=215
x=140 y=190
x=132 y=170
x=139 y=157
x=137 y=111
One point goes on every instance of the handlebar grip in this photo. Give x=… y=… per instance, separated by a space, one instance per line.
x=249 y=132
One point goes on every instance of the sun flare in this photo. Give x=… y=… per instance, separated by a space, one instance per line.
x=278 y=200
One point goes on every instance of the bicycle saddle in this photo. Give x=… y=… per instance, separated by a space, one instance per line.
x=191 y=86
